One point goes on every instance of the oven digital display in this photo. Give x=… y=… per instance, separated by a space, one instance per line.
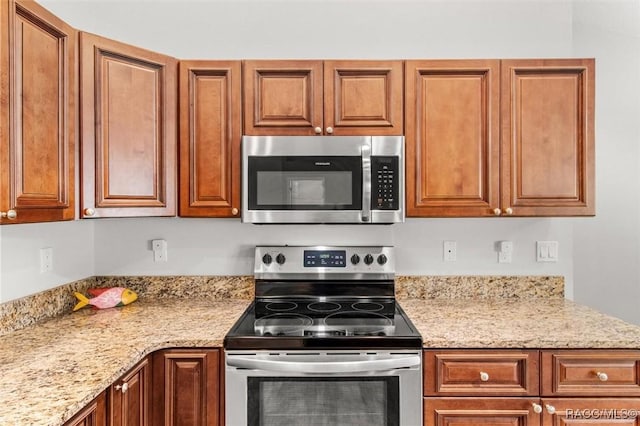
x=325 y=258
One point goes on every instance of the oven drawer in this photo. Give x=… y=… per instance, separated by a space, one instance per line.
x=486 y=372
x=591 y=372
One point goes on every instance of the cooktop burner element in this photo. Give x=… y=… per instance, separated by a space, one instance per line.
x=323 y=307
x=281 y=306
x=323 y=297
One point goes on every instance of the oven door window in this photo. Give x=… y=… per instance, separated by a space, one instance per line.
x=305 y=183
x=323 y=401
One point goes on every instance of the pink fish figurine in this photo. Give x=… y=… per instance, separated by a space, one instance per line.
x=103 y=298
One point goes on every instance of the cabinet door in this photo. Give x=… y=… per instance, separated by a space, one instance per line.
x=363 y=98
x=547 y=137
x=591 y=412
x=210 y=136
x=94 y=414
x=128 y=107
x=475 y=411
x=186 y=387
x=37 y=104
x=282 y=97
x=130 y=400
x=452 y=137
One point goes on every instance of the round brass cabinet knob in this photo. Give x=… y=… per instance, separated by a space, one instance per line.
x=497 y=211
x=537 y=408
x=508 y=211
x=234 y=211
x=89 y=212
x=318 y=130
x=484 y=376
x=602 y=376
x=9 y=214
x=550 y=409
x=329 y=130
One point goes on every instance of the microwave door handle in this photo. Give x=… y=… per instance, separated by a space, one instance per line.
x=337 y=367
x=366 y=183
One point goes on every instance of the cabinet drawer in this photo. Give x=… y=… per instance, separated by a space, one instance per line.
x=474 y=372
x=481 y=411
x=606 y=373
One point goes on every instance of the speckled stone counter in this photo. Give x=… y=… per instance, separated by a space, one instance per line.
x=48 y=372
x=517 y=323
x=51 y=368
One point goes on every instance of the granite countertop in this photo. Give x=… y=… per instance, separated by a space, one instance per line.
x=517 y=323
x=51 y=370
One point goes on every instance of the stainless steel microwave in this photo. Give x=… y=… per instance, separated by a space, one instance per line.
x=323 y=179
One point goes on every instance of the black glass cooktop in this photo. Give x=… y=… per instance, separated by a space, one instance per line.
x=317 y=323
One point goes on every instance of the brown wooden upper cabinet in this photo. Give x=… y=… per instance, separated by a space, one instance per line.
x=500 y=138
x=128 y=115
x=452 y=137
x=210 y=135
x=548 y=153
x=323 y=97
x=37 y=114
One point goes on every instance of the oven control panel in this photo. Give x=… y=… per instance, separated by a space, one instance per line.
x=325 y=258
x=288 y=262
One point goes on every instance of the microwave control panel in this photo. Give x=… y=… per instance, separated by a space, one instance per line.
x=384 y=183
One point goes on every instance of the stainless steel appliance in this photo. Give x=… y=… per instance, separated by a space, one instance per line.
x=323 y=179
x=323 y=343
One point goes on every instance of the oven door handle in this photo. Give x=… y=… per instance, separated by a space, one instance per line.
x=324 y=367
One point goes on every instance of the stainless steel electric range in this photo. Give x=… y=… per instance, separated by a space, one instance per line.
x=323 y=343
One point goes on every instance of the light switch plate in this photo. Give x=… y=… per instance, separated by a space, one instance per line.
x=547 y=251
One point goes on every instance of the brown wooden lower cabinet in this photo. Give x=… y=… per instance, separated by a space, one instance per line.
x=186 y=387
x=94 y=414
x=575 y=387
x=130 y=397
x=479 y=411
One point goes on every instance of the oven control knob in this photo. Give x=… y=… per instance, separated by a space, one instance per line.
x=267 y=259
x=355 y=259
x=280 y=259
x=368 y=259
x=382 y=259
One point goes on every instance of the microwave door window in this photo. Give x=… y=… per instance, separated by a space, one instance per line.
x=330 y=190
x=306 y=191
x=305 y=183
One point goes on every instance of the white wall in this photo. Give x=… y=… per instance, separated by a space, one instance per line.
x=73 y=256
x=386 y=29
x=607 y=248
x=224 y=246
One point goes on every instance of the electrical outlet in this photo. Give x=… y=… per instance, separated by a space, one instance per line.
x=449 y=251
x=159 y=250
x=46 y=260
x=505 y=252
